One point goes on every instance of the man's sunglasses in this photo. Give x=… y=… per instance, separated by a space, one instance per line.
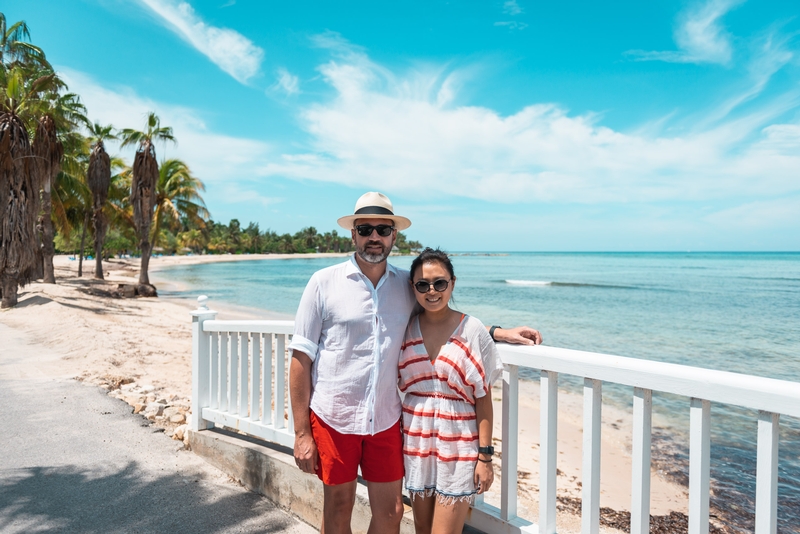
x=438 y=285
x=365 y=230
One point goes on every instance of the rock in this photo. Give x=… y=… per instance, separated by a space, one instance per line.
x=133 y=399
x=177 y=418
x=126 y=290
x=154 y=409
x=147 y=388
x=146 y=290
x=139 y=407
x=180 y=432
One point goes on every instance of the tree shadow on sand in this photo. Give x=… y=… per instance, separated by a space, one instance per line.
x=71 y=499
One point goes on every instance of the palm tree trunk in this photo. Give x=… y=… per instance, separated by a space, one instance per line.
x=8 y=285
x=83 y=242
x=99 y=237
x=145 y=246
x=48 y=250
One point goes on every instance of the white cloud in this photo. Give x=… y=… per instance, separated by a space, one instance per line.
x=287 y=82
x=759 y=215
x=213 y=157
x=699 y=35
x=512 y=8
x=400 y=130
x=229 y=50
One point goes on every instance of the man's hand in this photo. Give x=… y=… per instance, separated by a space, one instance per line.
x=521 y=335
x=305 y=453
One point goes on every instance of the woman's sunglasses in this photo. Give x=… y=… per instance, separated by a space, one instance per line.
x=365 y=230
x=438 y=285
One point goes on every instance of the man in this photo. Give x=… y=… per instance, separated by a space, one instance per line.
x=343 y=375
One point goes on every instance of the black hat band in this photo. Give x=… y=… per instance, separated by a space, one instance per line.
x=373 y=210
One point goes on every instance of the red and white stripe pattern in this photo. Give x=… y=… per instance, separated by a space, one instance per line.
x=439 y=424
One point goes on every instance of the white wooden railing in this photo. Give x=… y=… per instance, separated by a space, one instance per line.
x=239 y=380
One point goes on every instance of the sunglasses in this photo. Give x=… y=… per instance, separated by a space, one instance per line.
x=438 y=285
x=365 y=230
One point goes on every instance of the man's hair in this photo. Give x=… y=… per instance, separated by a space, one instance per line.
x=430 y=255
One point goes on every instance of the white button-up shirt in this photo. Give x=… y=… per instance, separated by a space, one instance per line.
x=352 y=332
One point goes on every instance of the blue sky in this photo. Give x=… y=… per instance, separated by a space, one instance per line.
x=495 y=125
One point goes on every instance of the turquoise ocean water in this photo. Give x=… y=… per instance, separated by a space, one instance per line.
x=737 y=312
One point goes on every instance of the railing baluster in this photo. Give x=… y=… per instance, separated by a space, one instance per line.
x=255 y=377
x=767 y=473
x=508 y=490
x=640 y=468
x=280 y=381
x=290 y=418
x=699 y=465
x=214 y=402
x=244 y=377
x=592 y=416
x=548 y=452
x=224 y=346
x=233 y=407
x=266 y=381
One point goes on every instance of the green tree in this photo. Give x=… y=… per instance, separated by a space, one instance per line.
x=178 y=199
x=144 y=182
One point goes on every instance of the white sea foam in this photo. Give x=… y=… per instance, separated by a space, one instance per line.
x=528 y=283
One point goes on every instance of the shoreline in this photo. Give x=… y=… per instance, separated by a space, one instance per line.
x=127 y=345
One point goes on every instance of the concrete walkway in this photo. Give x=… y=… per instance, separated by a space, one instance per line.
x=73 y=459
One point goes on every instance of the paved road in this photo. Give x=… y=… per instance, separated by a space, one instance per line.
x=73 y=459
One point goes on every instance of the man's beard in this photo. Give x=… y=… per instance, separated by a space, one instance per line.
x=373 y=258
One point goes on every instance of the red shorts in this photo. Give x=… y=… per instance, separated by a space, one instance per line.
x=380 y=456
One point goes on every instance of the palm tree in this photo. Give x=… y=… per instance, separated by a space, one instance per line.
x=177 y=199
x=19 y=198
x=15 y=47
x=99 y=178
x=59 y=115
x=143 y=184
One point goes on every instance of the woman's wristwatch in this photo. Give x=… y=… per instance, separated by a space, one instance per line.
x=486 y=450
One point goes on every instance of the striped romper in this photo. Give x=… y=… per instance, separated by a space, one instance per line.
x=439 y=424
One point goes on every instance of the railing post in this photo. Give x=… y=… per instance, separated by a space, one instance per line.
x=548 y=452
x=640 y=453
x=699 y=465
x=592 y=416
x=767 y=473
x=201 y=364
x=508 y=490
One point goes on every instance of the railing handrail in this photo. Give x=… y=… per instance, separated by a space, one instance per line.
x=748 y=391
x=256 y=326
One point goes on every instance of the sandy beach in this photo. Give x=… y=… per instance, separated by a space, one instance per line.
x=109 y=341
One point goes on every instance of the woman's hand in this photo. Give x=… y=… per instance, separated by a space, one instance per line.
x=484 y=476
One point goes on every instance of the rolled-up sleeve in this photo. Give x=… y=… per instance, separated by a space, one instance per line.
x=308 y=322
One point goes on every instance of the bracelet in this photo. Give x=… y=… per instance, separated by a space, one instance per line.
x=485 y=461
x=491 y=332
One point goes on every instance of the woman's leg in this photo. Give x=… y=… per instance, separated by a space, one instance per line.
x=423 y=513
x=449 y=518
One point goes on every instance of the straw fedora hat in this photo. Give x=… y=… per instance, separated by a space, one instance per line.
x=374 y=206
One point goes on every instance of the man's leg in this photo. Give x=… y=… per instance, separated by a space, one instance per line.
x=386 y=505
x=337 y=508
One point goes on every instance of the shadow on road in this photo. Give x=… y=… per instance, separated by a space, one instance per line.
x=71 y=499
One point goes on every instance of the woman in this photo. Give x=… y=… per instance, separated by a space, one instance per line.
x=447 y=366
